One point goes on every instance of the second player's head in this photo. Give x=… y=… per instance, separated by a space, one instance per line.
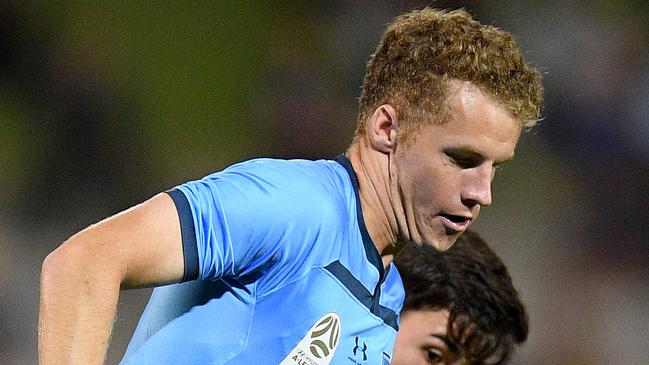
x=460 y=307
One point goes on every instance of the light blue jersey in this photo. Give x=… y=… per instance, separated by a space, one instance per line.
x=287 y=273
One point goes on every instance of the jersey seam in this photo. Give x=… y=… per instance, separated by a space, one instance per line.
x=249 y=329
x=352 y=296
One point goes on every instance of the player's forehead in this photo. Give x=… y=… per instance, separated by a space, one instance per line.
x=477 y=124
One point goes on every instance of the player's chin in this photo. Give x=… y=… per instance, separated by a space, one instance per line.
x=443 y=241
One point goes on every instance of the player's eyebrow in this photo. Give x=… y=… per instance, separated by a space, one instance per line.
x=450 y=345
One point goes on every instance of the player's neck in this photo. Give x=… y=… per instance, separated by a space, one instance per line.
x=371 y=168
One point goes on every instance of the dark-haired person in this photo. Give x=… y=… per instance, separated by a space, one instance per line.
x=460 y=307
x=303 y=248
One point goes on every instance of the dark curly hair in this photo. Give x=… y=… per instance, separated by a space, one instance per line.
x=486 y=317
x=423 y=50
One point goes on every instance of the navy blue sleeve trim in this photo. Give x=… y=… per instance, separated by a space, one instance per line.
x=357 y=289
x=188 y=234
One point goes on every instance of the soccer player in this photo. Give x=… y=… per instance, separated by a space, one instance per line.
x=302 y=249
x=460 y=308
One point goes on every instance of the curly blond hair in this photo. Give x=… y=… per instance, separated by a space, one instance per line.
x=423 y=50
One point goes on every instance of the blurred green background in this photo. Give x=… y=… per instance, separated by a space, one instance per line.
x=104 y=104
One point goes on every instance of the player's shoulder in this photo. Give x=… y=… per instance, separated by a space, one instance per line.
x=294 y=172
x=301 y=188
x=286 y=165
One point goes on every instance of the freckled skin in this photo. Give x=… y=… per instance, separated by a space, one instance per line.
x=435 y=179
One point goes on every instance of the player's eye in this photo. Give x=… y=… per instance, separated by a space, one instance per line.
x=463 y=161
x=456 y=160
x=434 y=356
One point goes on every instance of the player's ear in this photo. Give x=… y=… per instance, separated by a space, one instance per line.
x=383 y=128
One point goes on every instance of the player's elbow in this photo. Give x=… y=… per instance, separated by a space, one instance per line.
x=76 y=262
x=58 y=263
x=60 y=268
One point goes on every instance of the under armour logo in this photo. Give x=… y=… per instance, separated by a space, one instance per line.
x=360 y=349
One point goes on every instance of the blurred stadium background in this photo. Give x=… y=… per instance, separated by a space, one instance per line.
x=104 y=104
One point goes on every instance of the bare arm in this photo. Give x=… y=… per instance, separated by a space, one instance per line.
x=81 y=280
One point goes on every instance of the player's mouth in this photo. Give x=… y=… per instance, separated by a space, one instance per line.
x=455 y=223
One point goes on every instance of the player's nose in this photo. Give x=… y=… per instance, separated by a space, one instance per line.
x=477 y=190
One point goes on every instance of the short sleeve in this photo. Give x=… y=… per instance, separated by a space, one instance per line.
x=253 y=215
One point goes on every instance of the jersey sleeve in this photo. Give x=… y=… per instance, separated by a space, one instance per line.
x=249 y=217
